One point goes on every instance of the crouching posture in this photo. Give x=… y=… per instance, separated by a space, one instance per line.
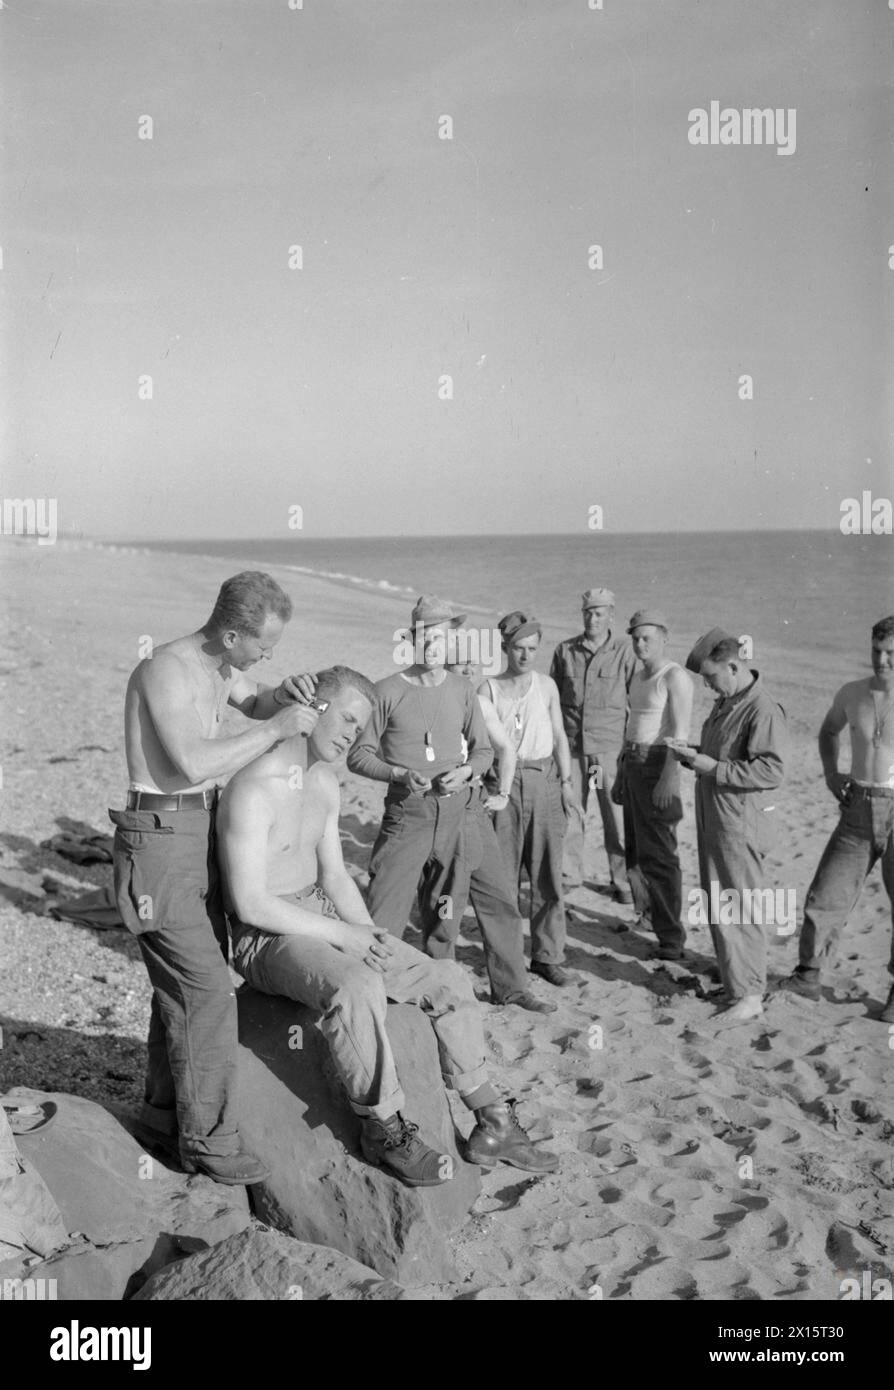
x=301 y=929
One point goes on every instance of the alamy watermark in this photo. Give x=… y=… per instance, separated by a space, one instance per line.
x=30 y=516
x=478 y=646
x=735 y=907
x=751 y=126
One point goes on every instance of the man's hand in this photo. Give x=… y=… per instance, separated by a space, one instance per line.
x=569 y=799
x=373 y=945
x=496 y=802
x=663 y=794
x=453 y=780
x=406 y=777
x=685 y=753
x=295 y=719
x=300 y=688
x=838 y=784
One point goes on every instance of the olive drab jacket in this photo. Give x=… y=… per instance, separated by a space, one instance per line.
x=593 y=691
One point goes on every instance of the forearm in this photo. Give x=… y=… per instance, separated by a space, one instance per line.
x=480 y=759
x=563 y=755
x=508 y=758
x=284 y=918
x=764 y=772
x=345 y=896
x=366 y=762
x=265 y=704
x=220 y=757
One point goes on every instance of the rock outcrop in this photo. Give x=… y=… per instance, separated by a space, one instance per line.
x=126 y=1213
x=262 y=1264
x=293 y=1113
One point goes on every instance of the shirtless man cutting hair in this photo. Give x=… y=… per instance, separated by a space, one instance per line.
x=166 y=878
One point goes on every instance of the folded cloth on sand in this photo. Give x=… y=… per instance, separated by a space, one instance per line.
x=81 y=849
x=98 y=909
x=30 y=1221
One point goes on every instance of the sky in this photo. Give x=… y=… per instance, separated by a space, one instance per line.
x=321 y=388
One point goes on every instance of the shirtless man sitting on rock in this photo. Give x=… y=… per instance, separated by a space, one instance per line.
x=300 y=929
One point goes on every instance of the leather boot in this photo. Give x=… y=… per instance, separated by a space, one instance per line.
x=392 y=1144
x=233 y=1170
x=808 y=986
x=553 y=974
x=523 y=999
x=499 y=1138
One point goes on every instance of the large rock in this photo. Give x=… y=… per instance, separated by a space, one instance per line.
x=265 y=1264
x=126 y=1213
x=294 y=1114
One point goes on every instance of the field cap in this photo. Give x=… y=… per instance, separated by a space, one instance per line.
x=644 y=617
x=704 y=647
x=597 y=598
x=516 y=625
x=429 y=610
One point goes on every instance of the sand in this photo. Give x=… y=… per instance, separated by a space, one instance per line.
x=697 y=1163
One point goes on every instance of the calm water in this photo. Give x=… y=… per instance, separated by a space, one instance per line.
x=810 y=591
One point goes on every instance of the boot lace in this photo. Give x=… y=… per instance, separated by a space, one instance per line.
x=404 y=1138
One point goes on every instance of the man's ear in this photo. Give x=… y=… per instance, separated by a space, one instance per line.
x=229 y=639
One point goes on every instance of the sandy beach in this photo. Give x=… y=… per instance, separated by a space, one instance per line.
x=697 y=1163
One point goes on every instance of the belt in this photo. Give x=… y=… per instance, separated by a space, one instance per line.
x=179 y=801
x=641 y=747
x=534 y=764
x=872 y=791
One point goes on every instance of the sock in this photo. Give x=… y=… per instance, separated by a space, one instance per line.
x=483 y=1095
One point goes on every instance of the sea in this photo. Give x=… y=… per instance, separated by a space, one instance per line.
x=817 y=592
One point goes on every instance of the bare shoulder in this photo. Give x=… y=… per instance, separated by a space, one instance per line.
x=170 y=665
x=548 y=686
x=852 y=694
x=322 y=779
x=676 y=676
x=252 y=790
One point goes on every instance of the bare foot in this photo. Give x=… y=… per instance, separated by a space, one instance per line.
x=748 y=1007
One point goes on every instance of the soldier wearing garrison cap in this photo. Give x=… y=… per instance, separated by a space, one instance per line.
x=593 y=672
x=531 y=827
x=739 y=764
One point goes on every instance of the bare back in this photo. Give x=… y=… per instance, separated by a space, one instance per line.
x=173 y=675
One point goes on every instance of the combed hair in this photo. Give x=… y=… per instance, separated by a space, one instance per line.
x=883 y=629
x=335 y=679
x=246 y=601
x=727 y=650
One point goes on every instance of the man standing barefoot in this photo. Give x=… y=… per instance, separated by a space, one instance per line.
x=166 y=879
x=593 y=672
x=739 y=763
x=660 y=708
x=865 y=831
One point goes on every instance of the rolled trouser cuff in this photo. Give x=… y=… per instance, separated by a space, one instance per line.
x=384 y=1109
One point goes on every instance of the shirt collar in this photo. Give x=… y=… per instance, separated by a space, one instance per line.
x=583 y=642
x=727 y=701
